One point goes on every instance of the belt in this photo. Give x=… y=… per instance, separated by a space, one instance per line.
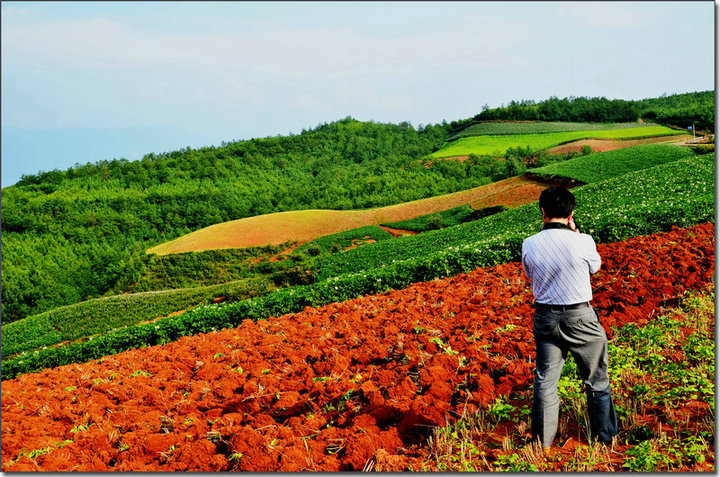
x=543 y=306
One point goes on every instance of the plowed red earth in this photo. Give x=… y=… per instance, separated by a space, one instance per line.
x=328 y=388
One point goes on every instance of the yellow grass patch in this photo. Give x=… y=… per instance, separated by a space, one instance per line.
x=307 y=225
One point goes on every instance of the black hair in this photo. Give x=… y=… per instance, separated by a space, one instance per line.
x=557 y=202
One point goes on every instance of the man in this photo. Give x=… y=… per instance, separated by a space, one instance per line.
x=559 y=260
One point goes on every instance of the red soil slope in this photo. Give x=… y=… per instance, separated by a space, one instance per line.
x=327 y=388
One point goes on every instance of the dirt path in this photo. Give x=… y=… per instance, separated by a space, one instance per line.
x=398 y=232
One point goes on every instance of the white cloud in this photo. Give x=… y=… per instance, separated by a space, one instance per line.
x=608 y=14
x=100 y=43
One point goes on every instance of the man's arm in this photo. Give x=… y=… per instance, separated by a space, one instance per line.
x=525 y=265
x=591 y=255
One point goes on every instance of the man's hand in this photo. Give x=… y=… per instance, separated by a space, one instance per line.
x=571 y=224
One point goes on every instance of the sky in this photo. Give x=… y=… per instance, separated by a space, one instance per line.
x=90 y=81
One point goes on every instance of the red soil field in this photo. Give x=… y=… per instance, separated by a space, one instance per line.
x=329 y=388
x=512 y=192
x=603 y=145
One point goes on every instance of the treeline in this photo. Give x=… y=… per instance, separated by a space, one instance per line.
x=682 y=110
x=675 y=110
x=81 y=233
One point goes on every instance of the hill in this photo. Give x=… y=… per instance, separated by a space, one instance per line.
x=307 y=225
x=395 y=344
x=608 y=210
x=82 y=233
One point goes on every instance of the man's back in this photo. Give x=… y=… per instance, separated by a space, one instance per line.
x=559 y=263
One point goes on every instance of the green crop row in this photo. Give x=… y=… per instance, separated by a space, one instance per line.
x=203 y=268
x=675 y=194
x=444 y=219
x=601 y=166
x=538 y=127
x=99 y=315
x=678 y=193
x=498 y=144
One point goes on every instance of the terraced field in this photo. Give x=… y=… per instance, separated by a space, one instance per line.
x=496 y=145
x=361 y=384
x=306 y=225
x=539 y=127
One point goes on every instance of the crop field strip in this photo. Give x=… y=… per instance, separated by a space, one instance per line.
x=611 y=212
x=539 y=127
x=336 y=387
x=600 y=166
x=603 y=144
x=97 y=316
x=498 y=144
x=307 y=225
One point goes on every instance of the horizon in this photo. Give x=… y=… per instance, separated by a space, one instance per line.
x=132 y=79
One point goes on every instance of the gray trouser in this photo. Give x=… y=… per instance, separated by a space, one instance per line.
x=578 y=331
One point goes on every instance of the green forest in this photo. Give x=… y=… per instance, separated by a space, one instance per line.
x=681 y=110
x=82 y=233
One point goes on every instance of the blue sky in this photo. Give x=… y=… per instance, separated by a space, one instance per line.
x=87 y=81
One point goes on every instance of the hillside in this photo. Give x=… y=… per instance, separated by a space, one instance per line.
x=608 y=210
x=365 y=381
x=82 y=233
x=357 y=350
x=306 y=225
x=78 y=234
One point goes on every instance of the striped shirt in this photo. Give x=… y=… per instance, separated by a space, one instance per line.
x=559 y=262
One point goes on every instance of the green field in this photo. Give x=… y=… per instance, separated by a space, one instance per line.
x=497 y=144
x=87 y=318
x=604 y=165
x=340 y=241
x=538 y=127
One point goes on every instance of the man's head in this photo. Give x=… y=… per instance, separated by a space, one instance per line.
x=557 y=203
